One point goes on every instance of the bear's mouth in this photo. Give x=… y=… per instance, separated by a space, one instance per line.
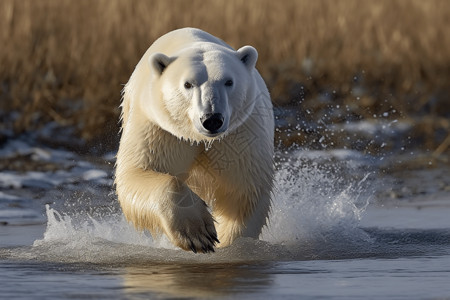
x=212 y=134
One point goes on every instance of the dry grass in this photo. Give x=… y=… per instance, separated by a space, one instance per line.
x=66 y=61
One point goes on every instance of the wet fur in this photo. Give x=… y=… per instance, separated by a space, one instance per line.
x=175 y=185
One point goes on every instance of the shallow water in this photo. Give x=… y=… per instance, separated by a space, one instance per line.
x=325 y=240
x=394 y=263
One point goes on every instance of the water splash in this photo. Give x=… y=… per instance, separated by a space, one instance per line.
x=75 y=233
x=316 y=211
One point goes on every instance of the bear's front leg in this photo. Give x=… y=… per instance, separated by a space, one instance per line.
x=186 y=219
x=161 y=202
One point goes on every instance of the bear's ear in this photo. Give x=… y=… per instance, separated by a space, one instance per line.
x=248 y=55
x=158 y=62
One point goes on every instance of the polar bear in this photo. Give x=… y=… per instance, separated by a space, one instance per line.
x=195 y=159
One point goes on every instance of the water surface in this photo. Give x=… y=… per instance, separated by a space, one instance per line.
x=328 y=238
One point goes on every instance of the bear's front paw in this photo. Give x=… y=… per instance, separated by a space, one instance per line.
x=189 y=225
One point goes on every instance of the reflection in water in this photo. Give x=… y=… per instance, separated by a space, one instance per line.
x=194 y=280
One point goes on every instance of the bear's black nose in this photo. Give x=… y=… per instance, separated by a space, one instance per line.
x=212 y=122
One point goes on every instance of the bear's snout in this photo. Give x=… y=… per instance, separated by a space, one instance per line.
x=212 y=122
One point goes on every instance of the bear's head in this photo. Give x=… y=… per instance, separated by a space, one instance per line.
x=202 y=92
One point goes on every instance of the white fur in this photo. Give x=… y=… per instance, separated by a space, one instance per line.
x=168 y=165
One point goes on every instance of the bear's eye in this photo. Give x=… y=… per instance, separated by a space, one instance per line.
x=187 y=85
x=229 y=82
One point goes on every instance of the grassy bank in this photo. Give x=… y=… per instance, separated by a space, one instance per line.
x=65 y=61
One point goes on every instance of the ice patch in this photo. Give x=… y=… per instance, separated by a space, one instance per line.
x=374 y=127
x=42 y=180
x=16 y=213
x=94 y=175
x=7 y=197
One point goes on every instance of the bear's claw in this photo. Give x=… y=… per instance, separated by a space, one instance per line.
x=213 y=240
x=204 y=247
x=192 y=246
x=203 y=243
x=189 y=227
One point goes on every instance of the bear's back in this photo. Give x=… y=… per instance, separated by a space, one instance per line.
x=180 y=39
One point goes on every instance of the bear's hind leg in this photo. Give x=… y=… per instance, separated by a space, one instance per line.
x=239 y=216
